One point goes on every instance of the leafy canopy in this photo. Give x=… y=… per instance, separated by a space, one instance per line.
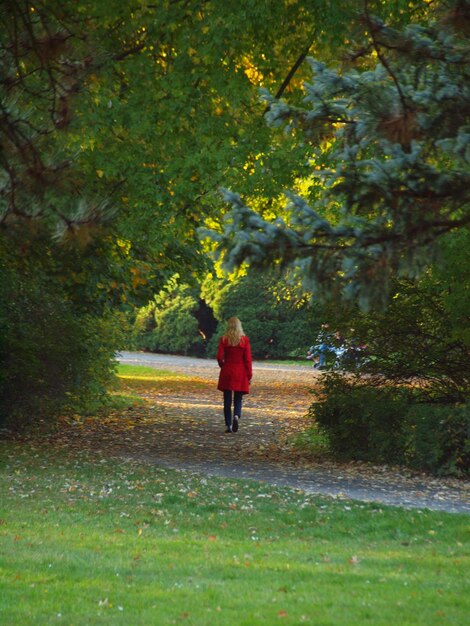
x=389 y=143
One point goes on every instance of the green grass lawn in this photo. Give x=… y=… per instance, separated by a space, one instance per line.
x=88 y=540
x=142 y=372
x=138 y=378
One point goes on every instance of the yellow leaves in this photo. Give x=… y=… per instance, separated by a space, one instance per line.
x=100 y=173
x=124 y=245
x=251 y=71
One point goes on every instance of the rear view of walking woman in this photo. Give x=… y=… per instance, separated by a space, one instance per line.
x=234 y=358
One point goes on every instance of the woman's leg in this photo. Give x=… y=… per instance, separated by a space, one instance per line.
x=228 y=408
x=237 y=403
x=237 y=409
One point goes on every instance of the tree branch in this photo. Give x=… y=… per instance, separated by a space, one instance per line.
x=291 y=73
x=384 y=61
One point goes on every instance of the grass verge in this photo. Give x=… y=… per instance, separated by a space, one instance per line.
x=138 y=378
x=141 y=372
x=88 y=540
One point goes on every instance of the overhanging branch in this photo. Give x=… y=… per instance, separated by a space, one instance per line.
x=291 y=73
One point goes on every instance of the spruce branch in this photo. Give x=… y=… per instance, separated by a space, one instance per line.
x=373 y=27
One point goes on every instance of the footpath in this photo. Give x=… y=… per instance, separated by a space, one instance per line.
x=188 y=434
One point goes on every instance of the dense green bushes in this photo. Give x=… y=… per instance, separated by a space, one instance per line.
x=187 y=320
x=362 y=422
x=438 y=438
x=56 y=351
x=382 y=423
x=280 y=324
x=168 y=323
x=420 y=339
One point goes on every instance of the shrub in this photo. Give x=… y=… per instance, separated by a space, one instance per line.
x=176 y=328
x=362 y=422
x=438 y=438
x=279 y=324
x=386 y=424
x=53 y=358
x=58 y=333
x=168 y=323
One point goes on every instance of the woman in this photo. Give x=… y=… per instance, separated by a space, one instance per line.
x=234 y=358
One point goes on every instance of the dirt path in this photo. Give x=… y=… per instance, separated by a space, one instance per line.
x=188 y=433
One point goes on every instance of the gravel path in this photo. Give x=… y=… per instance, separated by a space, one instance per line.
x=189 y=435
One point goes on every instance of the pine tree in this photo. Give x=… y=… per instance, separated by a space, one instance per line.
x=390 y=150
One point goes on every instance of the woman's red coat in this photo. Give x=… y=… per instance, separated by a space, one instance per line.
x=235 y=365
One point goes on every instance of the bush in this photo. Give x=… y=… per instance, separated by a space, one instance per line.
x=52 y=357
x=385 y=424
x=362 y=422
x=58 y=334
x=280 y=325
x=438 y=438
x=176 y=329
x=168 y=323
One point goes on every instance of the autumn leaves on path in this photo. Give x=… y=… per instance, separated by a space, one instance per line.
x=183 y=420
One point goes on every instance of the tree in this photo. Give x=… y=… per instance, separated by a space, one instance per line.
x=390 y=145
x=280 y=323
x=169 y=322
x=119 y=119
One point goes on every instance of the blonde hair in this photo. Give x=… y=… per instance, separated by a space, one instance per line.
x=234 y=331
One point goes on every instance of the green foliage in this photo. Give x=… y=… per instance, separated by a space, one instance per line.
x=438 y=438
x=390 y=147
x=388 y=424
x=422 y=335
x=418 y=337
x=414 y=339
x=361 y=421
x=55 y=356
x=410 y=406
x=168 y=323
x=453 y=273
x=278 y=323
